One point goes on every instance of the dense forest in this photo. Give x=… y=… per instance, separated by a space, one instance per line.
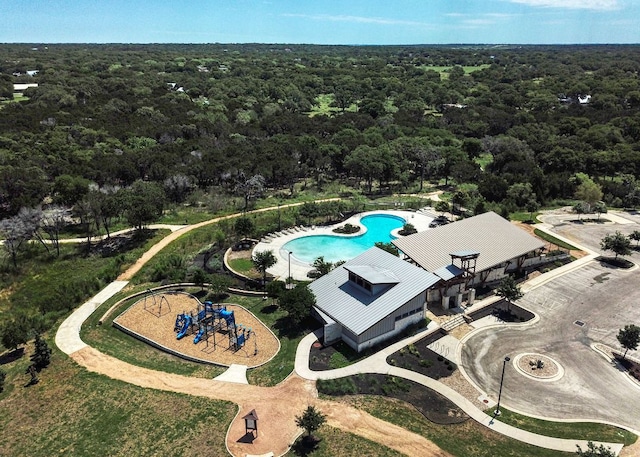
x=514 y=127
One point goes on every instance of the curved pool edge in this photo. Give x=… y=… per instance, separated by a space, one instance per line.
x=299 y=268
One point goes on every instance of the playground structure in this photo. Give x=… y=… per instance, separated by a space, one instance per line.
x=156 y=331
x=208 y=321
x=153 y=304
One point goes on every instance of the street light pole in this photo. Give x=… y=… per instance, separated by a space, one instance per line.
x=289 y=278
x=504 y=365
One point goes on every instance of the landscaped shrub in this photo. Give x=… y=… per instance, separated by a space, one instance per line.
x=395 y=385
x=41 y=356
x=347 y=229
x=407 y=229
x=340 y=386
x=171 y=267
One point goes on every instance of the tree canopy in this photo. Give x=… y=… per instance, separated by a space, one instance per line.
x=262 y=261
x=629 y=338
x=616 y=242
x=298 y=302
x=310 y=420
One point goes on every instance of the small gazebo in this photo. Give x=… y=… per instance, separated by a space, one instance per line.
x=251 y=423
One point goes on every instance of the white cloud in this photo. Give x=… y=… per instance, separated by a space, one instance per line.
x=573 y=4
x=357 y=19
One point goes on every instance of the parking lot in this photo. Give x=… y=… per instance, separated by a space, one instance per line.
x=585 y=306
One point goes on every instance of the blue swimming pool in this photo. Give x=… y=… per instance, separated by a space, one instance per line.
x=335 y=247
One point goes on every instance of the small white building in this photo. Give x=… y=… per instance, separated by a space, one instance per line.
x=371 y=298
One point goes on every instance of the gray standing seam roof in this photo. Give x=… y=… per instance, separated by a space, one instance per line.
x=355 y=308
x=496 y=239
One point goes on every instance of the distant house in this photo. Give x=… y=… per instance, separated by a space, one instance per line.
x=471 y=253
x=583 y=100
x=33 y=72
x=370 y=298
x=23 y=87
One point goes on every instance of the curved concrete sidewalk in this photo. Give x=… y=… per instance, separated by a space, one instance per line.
x=377 y=363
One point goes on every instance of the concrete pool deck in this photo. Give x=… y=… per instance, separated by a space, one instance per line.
x=419 y=219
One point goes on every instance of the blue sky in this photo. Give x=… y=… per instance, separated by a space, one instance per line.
x=321 y=21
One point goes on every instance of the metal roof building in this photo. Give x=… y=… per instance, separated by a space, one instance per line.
x=371 y=298
x=495 y=239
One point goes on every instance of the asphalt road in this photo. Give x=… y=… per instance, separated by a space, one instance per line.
x=604 y=299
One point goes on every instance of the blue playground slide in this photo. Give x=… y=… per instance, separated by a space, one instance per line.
x=199 y=336
x=228 y=316
x=185 y=328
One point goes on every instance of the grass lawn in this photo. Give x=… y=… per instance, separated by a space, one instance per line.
x=552 y=239
x=464 y=440
x=570 y=430
x=322 y=106
x=335 y=442
x=444 y=70
x=273 y=317
x=483 y=160
x=241 y=265
x=524 y=216
x=75 y=412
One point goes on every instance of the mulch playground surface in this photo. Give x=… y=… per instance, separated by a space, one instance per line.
x=152 y=319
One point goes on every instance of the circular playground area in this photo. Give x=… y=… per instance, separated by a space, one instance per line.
x=178 y=323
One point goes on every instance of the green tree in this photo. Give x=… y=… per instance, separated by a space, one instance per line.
x=365 y=163
x=262 y=261
x=244 y=227
x=532 y=206
x=389 y=247
x=143 y=203
x=509 y=290
x=595 y=451
x=310 y=420
x=297 y=302
x=442 y=206
x=520 y=194
x=105 y=204
x=199 y=277
x=635 y=236
x=617 y=243
x=218 y=284
x=275 y=289
x=68 y=190
x=41 y=356
x=14 y=333
x=581 y=208
x=322 y=267
x=629 y=338
x=587 y=190
x=600 y=208
x=459 y=199
x=309 y=210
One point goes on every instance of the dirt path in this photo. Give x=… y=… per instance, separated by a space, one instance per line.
x=276 y=408
x=133 y=269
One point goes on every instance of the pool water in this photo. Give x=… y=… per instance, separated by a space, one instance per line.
x=335 y=247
